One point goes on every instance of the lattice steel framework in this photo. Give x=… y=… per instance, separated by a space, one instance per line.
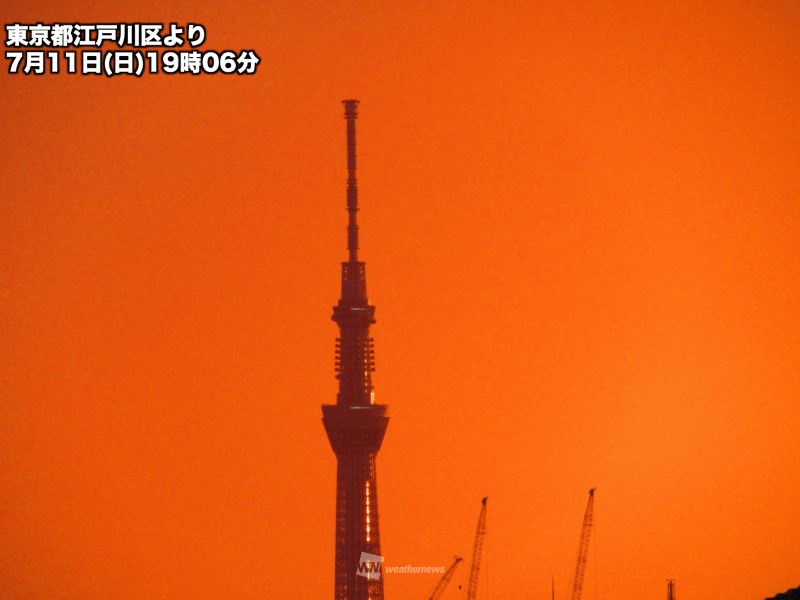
x=477 y=550
x=583 y=548
x=355 y=424
x=671 y=589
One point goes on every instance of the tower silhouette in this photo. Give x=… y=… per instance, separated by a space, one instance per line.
x=670 y=589
x=355 y=424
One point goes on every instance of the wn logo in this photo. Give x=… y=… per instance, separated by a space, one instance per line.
x=370 y=566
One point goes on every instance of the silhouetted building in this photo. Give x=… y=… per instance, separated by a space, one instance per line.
x=355 y=424
x=793 y=594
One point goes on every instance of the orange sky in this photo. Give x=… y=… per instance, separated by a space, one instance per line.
x=582 y=234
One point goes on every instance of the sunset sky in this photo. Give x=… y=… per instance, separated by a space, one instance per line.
x=581 y=224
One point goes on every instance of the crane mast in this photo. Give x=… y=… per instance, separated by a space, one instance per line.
x=445 y=580
x=583 y=548
x=475 y=567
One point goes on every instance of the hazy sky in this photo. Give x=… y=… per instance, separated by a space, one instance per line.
x=581 y=223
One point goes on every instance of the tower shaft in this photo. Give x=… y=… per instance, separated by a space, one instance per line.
x=355 y=425
x=670 y=589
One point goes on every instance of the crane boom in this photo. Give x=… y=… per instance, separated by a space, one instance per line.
x=448 y=575
x=475 y=567
x=583 y=549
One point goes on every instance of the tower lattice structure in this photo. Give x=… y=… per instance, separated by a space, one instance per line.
x=355 y=424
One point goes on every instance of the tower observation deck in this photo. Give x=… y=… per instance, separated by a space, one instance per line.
x=355 y=424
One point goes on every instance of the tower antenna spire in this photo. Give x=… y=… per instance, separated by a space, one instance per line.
x=351 y=114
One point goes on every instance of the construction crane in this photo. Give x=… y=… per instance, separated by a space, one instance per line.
x=448 y=575
x=583 y=548
x=475 y=567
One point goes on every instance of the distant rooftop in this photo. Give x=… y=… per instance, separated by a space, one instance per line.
x=793 y=594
